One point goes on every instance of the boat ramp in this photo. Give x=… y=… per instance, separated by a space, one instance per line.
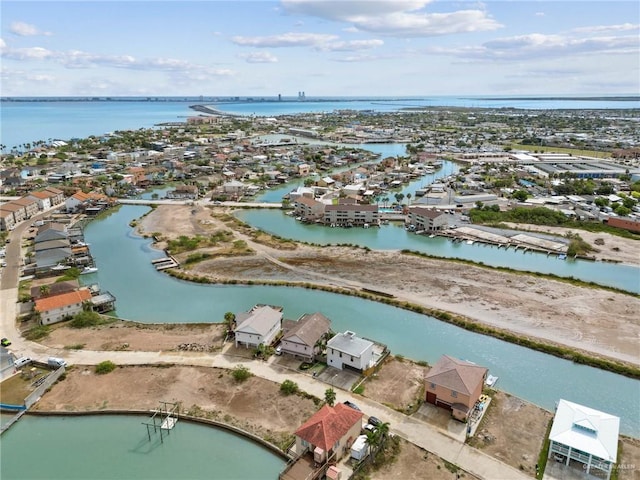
x=165 y=262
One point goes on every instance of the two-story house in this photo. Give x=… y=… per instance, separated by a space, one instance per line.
x=260 y=325
x=348 y=350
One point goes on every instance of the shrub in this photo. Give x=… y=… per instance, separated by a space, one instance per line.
x=105 y=367
x=37 y=332
x=289 y=387
x=241 y=373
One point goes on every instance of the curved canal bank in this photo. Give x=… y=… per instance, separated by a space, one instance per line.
x=145 y=295
x=85 y=447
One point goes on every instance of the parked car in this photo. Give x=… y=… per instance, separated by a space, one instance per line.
x=352 y=405
x=370 y=428
x=5 y=342
x=278 y=350
x=375 y=421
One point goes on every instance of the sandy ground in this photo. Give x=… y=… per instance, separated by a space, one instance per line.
x=138 y=337
x=612 y=247
x=255 y=405
x=594 y=320
x=399 y=384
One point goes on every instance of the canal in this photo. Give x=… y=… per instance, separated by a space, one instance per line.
x=112 y=447
x=144 y=295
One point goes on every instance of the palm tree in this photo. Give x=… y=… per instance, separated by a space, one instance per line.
x=330 y=396
x=408 y=198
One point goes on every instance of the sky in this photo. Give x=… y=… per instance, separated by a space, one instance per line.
x=265 y=48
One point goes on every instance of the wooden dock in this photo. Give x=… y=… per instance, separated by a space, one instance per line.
x=164 y=263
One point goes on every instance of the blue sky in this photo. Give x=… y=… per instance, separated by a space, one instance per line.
x=324 y=48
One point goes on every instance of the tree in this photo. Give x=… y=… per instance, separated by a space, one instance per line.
x=229 y=319
x=409 y=198
x=330 y=396
x=241 y=373
x=520 y=195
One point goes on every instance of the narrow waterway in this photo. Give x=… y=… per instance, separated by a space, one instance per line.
x=117 y=447
x=395 y=237
x=144 y=295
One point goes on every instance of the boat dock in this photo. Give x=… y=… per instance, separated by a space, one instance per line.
x=164 y=263
x=518 y=241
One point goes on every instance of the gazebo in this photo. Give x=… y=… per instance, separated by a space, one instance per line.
x=586 y=436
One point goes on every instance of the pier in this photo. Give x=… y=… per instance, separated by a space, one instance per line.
x=163 y=419
x=164 y=263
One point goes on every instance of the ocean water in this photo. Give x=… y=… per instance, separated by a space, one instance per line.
x=41 y=120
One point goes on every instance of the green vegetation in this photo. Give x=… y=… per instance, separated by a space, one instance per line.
x=544 y=453
x=289 y=387
x=75 y=346
x=542 y=216
x=197 y=257
x=37 y=332
x=359 y=390
x=88 y=319
x=105 y=367
x=71 y=274
x=330 y=396
x=241 y=373
x=577 y=246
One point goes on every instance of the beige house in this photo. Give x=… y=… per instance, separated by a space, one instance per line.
x=428 y=219
x=301 y=338
x=30 y=204
x=57 y=195
x=455 y=384
x=19 y=212
x=7 y=220
x=43 y=199
x=351 y=214
x=309 y=209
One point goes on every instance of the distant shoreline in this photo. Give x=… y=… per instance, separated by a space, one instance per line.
x=250 y=99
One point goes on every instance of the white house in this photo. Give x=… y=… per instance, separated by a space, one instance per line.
x=428 y=219
x=586 y=436
x=345 y=349
x=60 y=307
x=259 y=325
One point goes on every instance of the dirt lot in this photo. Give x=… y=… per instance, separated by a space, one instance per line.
x=413 y=463
x=255 y=405
x=513 y=431
x=398 y=384
x=598 y=321
x=137 y=336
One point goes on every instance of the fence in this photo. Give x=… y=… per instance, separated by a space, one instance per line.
x=48 y=381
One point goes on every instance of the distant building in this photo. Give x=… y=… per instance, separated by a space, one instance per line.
x=351 y=214
x=586 y=436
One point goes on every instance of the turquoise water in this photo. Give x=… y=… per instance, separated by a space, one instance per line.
x=114 y=447
x=394 y=237
x=68 y=119
x=145 y=295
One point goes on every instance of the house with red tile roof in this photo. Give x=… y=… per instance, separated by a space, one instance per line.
x=57 y=308
x=455 y=384
x=74 y=201
x=329 y=433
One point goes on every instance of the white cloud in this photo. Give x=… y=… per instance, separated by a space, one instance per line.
x=284 y=40
x=351 y=46
x=537 y=45
x=539 y=14
x=81 y=60
x=623 y=27
x=259 y=57
x=23 y=29
x=395 y=17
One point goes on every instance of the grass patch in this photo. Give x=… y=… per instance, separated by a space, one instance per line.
x=37 y=332
x=75 y=346
x=105 y=367
x=544 y=453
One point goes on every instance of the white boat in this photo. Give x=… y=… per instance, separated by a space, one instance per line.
x=469 y=242
x=60 y=267
x=86 y=270
x=491 y=380
x=431 y=236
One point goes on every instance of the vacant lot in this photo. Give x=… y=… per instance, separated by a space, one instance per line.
x=399 y=384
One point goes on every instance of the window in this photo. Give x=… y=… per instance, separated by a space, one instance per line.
x=454 y=394
x=432 y=386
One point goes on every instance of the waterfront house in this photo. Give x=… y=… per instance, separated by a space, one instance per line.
x=584 y=438
x=19 y=212
x=75 y=201
x=428 y=219
x=302 y=338
x=309 y=209
x=189 y=192
x=57 y=308
x=329 y=433
x=351 y=214
x=260 y=325
x=346 y=350
x=455 y=384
